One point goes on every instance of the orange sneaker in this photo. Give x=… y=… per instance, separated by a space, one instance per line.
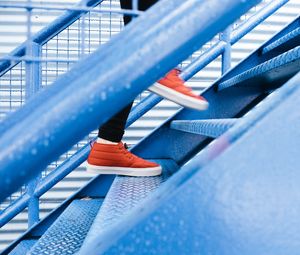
x=116 y=159
x=172 y=88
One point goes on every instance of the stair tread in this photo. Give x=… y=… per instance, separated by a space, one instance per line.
x=124 y=194
x=170 y=225
x=289 y=36
x=67 y=233
x=210 y=127
x=23 y=247
x=289 y=57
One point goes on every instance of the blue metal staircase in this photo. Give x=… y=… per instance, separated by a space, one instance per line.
x=214 y=196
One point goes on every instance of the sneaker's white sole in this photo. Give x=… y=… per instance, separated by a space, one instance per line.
x=178 y=98
x=150 y=171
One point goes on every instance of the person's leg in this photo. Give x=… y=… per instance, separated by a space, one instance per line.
x=113 y=129
x=108 y=154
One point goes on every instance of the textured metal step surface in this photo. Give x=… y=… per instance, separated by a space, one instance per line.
x=291 y=57
x=211 y=128
x=124 y=194
x=291 y=35
x=23 y=247
x=215 y=211
x=67 y=233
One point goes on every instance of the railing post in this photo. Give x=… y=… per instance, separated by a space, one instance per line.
x=33 y=204
x=225 y=36
x=33 y=70
x=33 y=84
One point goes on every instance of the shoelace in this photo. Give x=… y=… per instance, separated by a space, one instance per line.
x=124 y=147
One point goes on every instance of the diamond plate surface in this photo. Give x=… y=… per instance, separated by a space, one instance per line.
x=291 y=35
x=124 y=194
x=291 y=56
x=23 y=247
x=67 y=233
x=212 y=128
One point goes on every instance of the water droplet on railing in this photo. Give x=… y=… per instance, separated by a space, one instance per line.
x=34 y=151
x=103 y=96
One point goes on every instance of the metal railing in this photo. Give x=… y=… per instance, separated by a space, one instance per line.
x=33 y=55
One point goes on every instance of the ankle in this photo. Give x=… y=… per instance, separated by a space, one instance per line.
x=103 y=141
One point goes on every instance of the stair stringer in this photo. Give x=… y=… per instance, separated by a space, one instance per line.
x=244 y=201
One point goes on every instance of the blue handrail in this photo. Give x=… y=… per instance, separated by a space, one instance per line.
x=32 y=48
x=53 y=126
x=137 y=112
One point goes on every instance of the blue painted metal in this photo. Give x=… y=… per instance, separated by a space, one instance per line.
x=80 y=8
x=191 y=69
x=231 y=103
x=13 y=209
x=236 y=203
x=45 y=184
x=284 y=65
x=237 y=34
x=33 y=71
x=68 y=166
x=203 y=60
x=67 y=233
x=143 y=107
x=47 y=33
x=256 y=58
x=81 y=155
x=97 y=188
x=59 y=128
x=125 y=194
x=211 y=128
x=33 y=84
x=287 y=45
x=212 y=53
x=23 y=247
x=33 y=203
x=226 y=56
x=138 y=111
x=293 y=35
x=255 y=20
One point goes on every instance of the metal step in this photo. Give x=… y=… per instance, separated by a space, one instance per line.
x=211 y=128
x=67 y=233
x=125 y=194
x=23 y=247
x=292 y=37
x=278 y=68
x=201 y=216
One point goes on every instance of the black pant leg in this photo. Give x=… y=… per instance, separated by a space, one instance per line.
x=143 y=5
x=113 y=129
